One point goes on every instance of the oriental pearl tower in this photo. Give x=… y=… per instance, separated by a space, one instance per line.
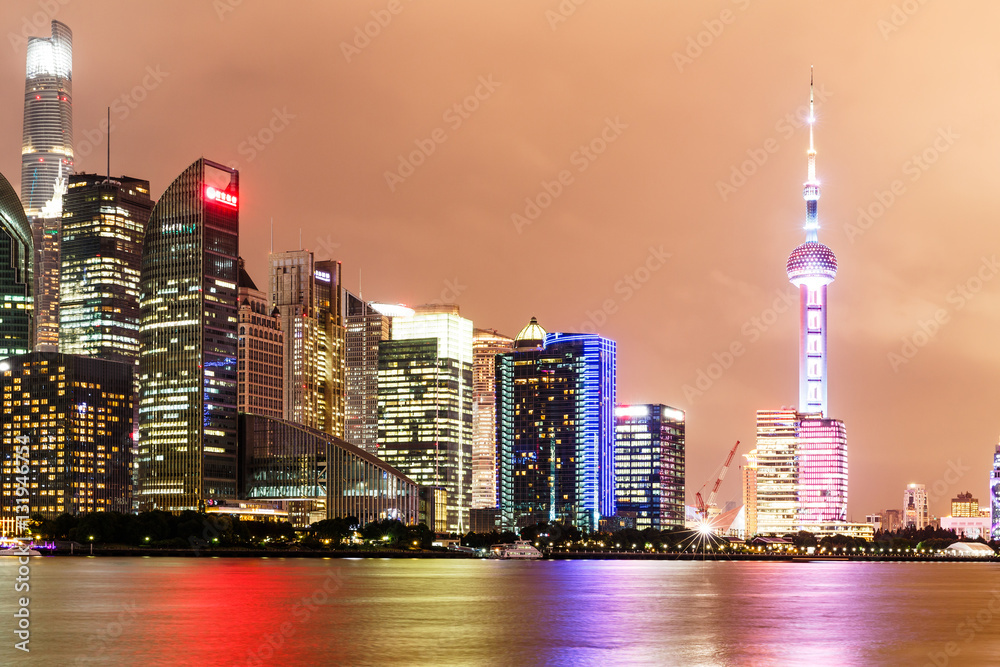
x=811 y=267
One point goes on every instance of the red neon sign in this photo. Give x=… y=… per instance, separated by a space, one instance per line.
x=220 y=196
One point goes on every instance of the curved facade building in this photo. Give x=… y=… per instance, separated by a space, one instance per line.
x=47 y=144
x=315 y=475
x=188 y=342
x=16 y=262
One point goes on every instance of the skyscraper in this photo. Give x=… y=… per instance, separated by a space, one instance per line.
x=46 y=159
x=261 y=352
x=47 y=143
x=74 y=414
x=308 y=295
x=965 y=505
x=750 y=494
x=103 y=225
x=995 y=495
x=915 y=512
x=486 y=345
x=649 y=465
x=16 y=283
x=802 y=454
x=366 y=328
x=555 y=429
x=425 y=404
x=188 y=342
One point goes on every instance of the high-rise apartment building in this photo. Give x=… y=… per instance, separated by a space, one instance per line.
x=261 y=352
x=486 y=345
x=16 y=282
x=777 y=471
x=649 y=465
x=425 y=404
x=749 y=471
x=915 y=512
x=188 y=342
x=555 y=429
x=73 y=418
x=103 y=225
x=308 y=295
x=366 y=328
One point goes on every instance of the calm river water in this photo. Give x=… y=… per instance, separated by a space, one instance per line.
x=228 y=611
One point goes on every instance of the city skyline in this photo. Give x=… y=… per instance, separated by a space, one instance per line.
x=710 y=293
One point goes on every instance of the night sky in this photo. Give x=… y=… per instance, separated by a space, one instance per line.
x=653 y=154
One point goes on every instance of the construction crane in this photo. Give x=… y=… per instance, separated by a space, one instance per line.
x=700 y=504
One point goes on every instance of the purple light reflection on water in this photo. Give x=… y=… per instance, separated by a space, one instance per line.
x=204 y=611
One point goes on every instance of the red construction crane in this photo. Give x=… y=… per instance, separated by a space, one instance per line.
x=700 y=504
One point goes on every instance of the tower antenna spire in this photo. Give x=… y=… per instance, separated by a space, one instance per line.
x=811 y=190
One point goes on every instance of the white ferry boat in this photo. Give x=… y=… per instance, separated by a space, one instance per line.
x=520 y=550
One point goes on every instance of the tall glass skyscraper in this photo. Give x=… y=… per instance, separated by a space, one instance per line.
x=46 y=159
x=649 y=465
x=308 y=294
x=425 y=404
x=367 y=326
x=486 y=345
x=188 y=342
x=555 y=399
x=103 y=225
x=16 y=283
x=47 y=144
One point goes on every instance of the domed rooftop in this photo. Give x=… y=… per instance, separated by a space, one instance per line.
x=532 y=335
x=812 y=259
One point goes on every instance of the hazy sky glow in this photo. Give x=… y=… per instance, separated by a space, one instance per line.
x=635 y=167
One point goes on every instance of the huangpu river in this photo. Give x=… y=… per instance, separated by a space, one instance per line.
x=274 y=611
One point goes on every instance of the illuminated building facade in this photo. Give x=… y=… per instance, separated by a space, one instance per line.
x=103 y=225
x=915 y=511
x=555 y=397
x=777 y=471
x=995 y=495
x=366 y=328
x=75 y=416
x=47 y=143
x=965 y=506
x=822 y=464
x=261 y=352
x=425 y=404
x=188 y=343
x=750 y=494
x=46 y=155
x=308 y=296
x=313 y=475
x=486 y=345
x=649 y=465
x=16 y=282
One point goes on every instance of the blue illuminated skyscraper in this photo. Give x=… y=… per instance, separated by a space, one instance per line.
x=188 y=342
x=555 y=400
x=995 y=496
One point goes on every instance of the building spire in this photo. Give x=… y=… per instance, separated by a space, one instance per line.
x=811 y=190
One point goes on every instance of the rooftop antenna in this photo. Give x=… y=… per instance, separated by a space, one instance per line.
x=300 y=239
x=360 y=295
x=109 y=144
x=272 y=234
